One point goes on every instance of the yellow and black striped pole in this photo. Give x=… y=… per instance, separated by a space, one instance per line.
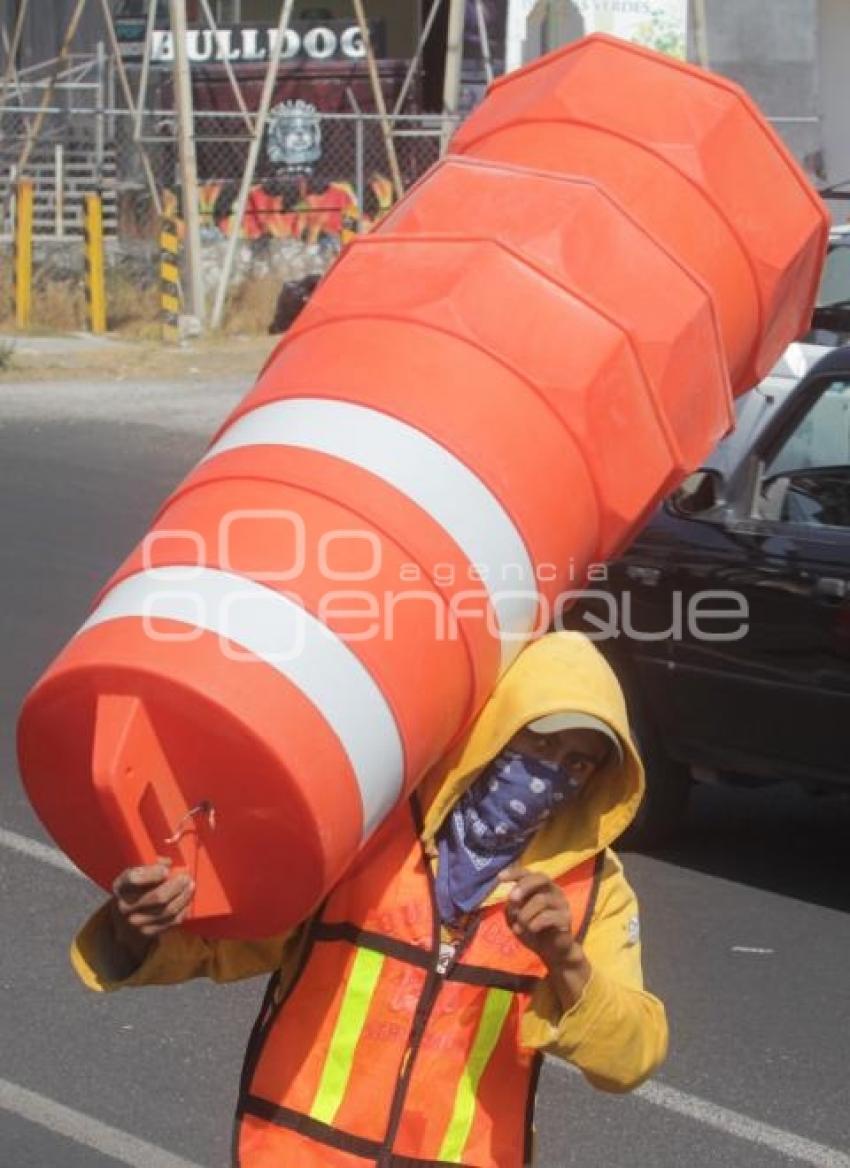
x=169 y=278
x=95 y=268
x=22 y=267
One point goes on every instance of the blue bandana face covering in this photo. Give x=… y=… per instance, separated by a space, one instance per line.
x=491 y=824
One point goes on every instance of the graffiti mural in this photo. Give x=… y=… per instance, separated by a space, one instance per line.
x=292 y=209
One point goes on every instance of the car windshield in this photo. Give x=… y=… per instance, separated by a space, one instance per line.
x=831 y=317
x=822 y=439
x=835 y=282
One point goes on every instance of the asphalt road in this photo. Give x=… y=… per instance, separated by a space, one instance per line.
x=746 y=923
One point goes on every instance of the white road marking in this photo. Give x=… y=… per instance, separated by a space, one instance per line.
x=38 y=851
x=723 y=1119
x=82 y=1129
x=743 y=1127
x=733 y=1123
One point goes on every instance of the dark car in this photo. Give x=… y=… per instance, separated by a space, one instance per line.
x=728 y=620
x=831 y=318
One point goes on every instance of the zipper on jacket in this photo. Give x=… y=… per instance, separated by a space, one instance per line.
x=445 y=955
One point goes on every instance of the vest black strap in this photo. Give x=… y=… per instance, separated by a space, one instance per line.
x=477 y=975
x=380 y=942
x=321 y=931
x=309 y=1128
x=422 y=958
x=323 y=1133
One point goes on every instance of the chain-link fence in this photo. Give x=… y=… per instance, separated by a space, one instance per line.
x=320 y=180
x=338 y=179
x=319 y=175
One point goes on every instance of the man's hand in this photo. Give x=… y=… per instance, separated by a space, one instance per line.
x=539 y=915
x=146 y=902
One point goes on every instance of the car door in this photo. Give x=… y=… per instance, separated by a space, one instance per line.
x=766 y=689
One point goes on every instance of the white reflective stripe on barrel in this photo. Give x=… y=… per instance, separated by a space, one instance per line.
x=290 y=640
x=425 y=472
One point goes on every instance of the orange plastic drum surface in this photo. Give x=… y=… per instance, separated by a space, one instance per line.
x=695 y=163
x=483 y=398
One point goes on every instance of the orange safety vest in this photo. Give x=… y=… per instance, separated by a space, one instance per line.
x=387 y=1048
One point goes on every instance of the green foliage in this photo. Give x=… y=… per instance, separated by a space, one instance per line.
x=662 y=33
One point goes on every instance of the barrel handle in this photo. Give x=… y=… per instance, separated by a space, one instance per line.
x=143 y=803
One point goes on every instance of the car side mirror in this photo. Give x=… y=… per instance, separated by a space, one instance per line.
x=698 y=495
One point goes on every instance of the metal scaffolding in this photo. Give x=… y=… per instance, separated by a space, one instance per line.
x=254 y=122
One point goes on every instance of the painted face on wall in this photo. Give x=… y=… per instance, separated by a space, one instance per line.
x=294 y=136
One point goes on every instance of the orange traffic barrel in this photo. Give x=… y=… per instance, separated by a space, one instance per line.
x=483 y=399
x=694 y=161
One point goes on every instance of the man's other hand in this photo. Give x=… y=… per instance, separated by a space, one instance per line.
x=147 y=902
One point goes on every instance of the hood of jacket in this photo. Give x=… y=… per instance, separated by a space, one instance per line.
x=561 y=672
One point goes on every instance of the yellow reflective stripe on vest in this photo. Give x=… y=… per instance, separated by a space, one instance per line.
x=349 y=1026
x=497 y=1005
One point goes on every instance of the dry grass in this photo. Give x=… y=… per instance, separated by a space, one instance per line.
x=132 y=311
x=59 y=306
x=134 y=345
x=6 y=310
x=250 y=307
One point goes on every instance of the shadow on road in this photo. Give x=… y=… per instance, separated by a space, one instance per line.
x=774 y=838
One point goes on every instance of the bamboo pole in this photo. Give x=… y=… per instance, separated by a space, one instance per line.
x=251 y=164
x=9 y=71
x=380 y=104
x=454 y=64
x=35 y=129
x=131 y=105
x=188 y=162
x=484 y=38
x=145 y=71
x=228 y=68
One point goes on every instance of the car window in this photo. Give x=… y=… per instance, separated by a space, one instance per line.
x=807 y=481
x=831 y=317
x=835 y=282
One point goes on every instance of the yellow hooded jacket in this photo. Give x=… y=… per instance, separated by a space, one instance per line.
x=616 y=1033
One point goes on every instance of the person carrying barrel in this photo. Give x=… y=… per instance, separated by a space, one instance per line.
x=486 y=923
